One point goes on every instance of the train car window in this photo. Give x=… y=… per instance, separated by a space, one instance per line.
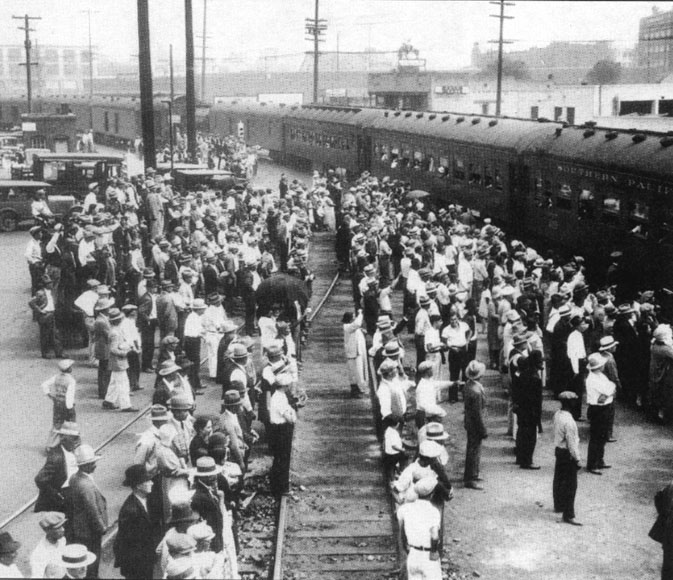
x=612 y=205
x=474 y=173
x=405 y=159
x=394 y=157
x=429 y=163
x=639 y=218
x=443 y=167
x=116 y=123
x=418 y=160
x=459 y=169
x=564 y=197
x=385 y=154
x=586 y=207
x=106 y=122
x=498 y=180
x=488 y=178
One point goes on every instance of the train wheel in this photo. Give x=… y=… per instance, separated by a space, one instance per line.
x=8 y=221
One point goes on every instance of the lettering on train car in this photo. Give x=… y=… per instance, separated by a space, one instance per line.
x=617 y=179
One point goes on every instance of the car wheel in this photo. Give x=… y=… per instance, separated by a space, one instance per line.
x=8 y=222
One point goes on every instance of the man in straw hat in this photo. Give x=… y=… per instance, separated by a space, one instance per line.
x=137 y=534
x=420 y=523
x=282 y=418
x=78 y=561
x=43 y=305
x=213 y=320
x=606 y=347
x=207 y=500
x=192 y=335
x=89 y=507
x=475 y=404
x=600 y=396
x=231 y=426
x=355 y=348
x=567 y=443
x=60 y=388
x=49 y=548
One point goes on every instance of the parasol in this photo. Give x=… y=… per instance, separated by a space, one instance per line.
x=281 y=289
x=417 y=194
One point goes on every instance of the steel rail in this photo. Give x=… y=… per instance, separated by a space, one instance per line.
x=282 y=510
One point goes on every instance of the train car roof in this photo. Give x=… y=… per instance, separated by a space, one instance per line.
x=24 y=183
x=252 y=108
x=80 y=157
x=352 y=116
x=660 y=123
x=637 y=152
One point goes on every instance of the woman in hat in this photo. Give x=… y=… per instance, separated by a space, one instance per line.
x=137 y=535
x=475 y=405
x=355 y=349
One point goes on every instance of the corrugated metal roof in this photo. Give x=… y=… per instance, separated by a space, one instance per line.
x=248 y=108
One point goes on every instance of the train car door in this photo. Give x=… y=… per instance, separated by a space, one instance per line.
x=516 y=198
x=364 y=153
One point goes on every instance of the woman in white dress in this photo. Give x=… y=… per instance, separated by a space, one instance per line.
x=433 y=349
x=328 y=209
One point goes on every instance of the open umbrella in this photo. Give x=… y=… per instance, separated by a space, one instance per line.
x=417 y=194
x=281 y=289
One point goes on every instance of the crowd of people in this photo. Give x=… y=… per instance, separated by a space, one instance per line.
x=138 y=266
x=545 y=325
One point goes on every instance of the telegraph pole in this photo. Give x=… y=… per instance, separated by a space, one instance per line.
x=500 y=41
x=190 y=97
x=88 y=12
x=28 y=64
x=146 y=96
x=203 y=53
x=170 y=64
x=315 y=28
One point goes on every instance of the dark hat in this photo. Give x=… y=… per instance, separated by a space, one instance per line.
x=114 y=314
x=159 y=413
x=8 y=544
x=232 y=398
x=135 y=475
x=52 y=520
x=148 y=273
x=182 y=512
x=625 y=308
x=217 y=442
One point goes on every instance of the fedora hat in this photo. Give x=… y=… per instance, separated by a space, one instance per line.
x=198 y=304
x=182 y=512
x=519 y=339
x=104 y=303
x=206 y=467
x=8 y=544
x=425 y=300
x=182 y=544
x=232 y=398
x=625 y=308
x=115 y=314
x=128 y=308
x=214 y=299
x=69 y=428
x=159 y=413
x=238 y=351
x=435 y=432
x=52 y=520
x=180 y=402
x=596 y=361
x=85 y=454
x=564 y=310
x=606 y=343
x=135 y=475
x=76 y=556
x=392 y=349
x=513 y=316
x=274 y=349
x=475 y=370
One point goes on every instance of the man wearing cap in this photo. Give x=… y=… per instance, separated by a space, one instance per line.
x=600 y=395
x=191 y=341
x=208 y=500
x=118 y=393
x=101 y=332
x=49 y=548
x=9 y=550
x=282 y=418
x=420 y=522
x=88 y=506
x=43 y=306
x=61 y=390
x=567 y=450
x=475 y=403
x=137 y=534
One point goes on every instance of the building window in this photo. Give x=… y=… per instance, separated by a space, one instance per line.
x=475 y=175
x=570 y=115
x=534 y=112
x=38 y=142
x=484 y=108
x=106 y=122
x=558 y=113
x=116 y=123
x=639 y=218
x=459 y=169
x=498 y=180
x=488 y=179
x=443 y=167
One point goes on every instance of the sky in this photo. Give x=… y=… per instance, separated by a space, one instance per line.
x=443 y=31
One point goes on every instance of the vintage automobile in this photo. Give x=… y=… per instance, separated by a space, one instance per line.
x=17 y=196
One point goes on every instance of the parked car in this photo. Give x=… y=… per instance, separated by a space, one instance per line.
x=16 y=198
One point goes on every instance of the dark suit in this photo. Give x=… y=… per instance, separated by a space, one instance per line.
x=167 y=315
x=147 y=327
x=101 y=336
x=171 y=271
x=629 y=365
x=207 y=504
x=89 y=516
x=136 y=540
x=49 y=335
x=210 y=279
x=49 y=481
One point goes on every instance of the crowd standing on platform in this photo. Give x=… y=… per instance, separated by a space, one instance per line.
x=149 y=279
x=547 y=325
x=139 y=259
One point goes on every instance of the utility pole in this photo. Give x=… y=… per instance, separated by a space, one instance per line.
x=189 y=81
x=88 y=12
x=28 y=64
x=203 y=53
x=315 y=28
x=500 y=41
x=146 y=96
x=337 y=53
x=170 y=65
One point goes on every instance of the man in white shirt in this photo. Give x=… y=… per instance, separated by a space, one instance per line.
x=282 y=418
x=577 y=354
x=600 y=395
x=33 y=255
x=567 y=444
x=426 y=395
x=131 y=334
x=193 y=334
x=391 y=395
x=48 y=549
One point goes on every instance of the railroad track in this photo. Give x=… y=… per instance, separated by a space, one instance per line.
x=337 y=522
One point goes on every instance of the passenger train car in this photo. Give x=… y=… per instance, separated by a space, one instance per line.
x=586 y=190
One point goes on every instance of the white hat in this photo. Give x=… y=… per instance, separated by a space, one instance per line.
x=430 y=449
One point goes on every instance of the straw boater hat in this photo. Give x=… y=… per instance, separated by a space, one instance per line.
x=595 y=361
x=567 y=396
x=206 y=467
x=606 y=343
x=85 y=454
x=430 y=449
x=68 y=428
x=168 y=367
x=435 y=432
x=76 y=556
